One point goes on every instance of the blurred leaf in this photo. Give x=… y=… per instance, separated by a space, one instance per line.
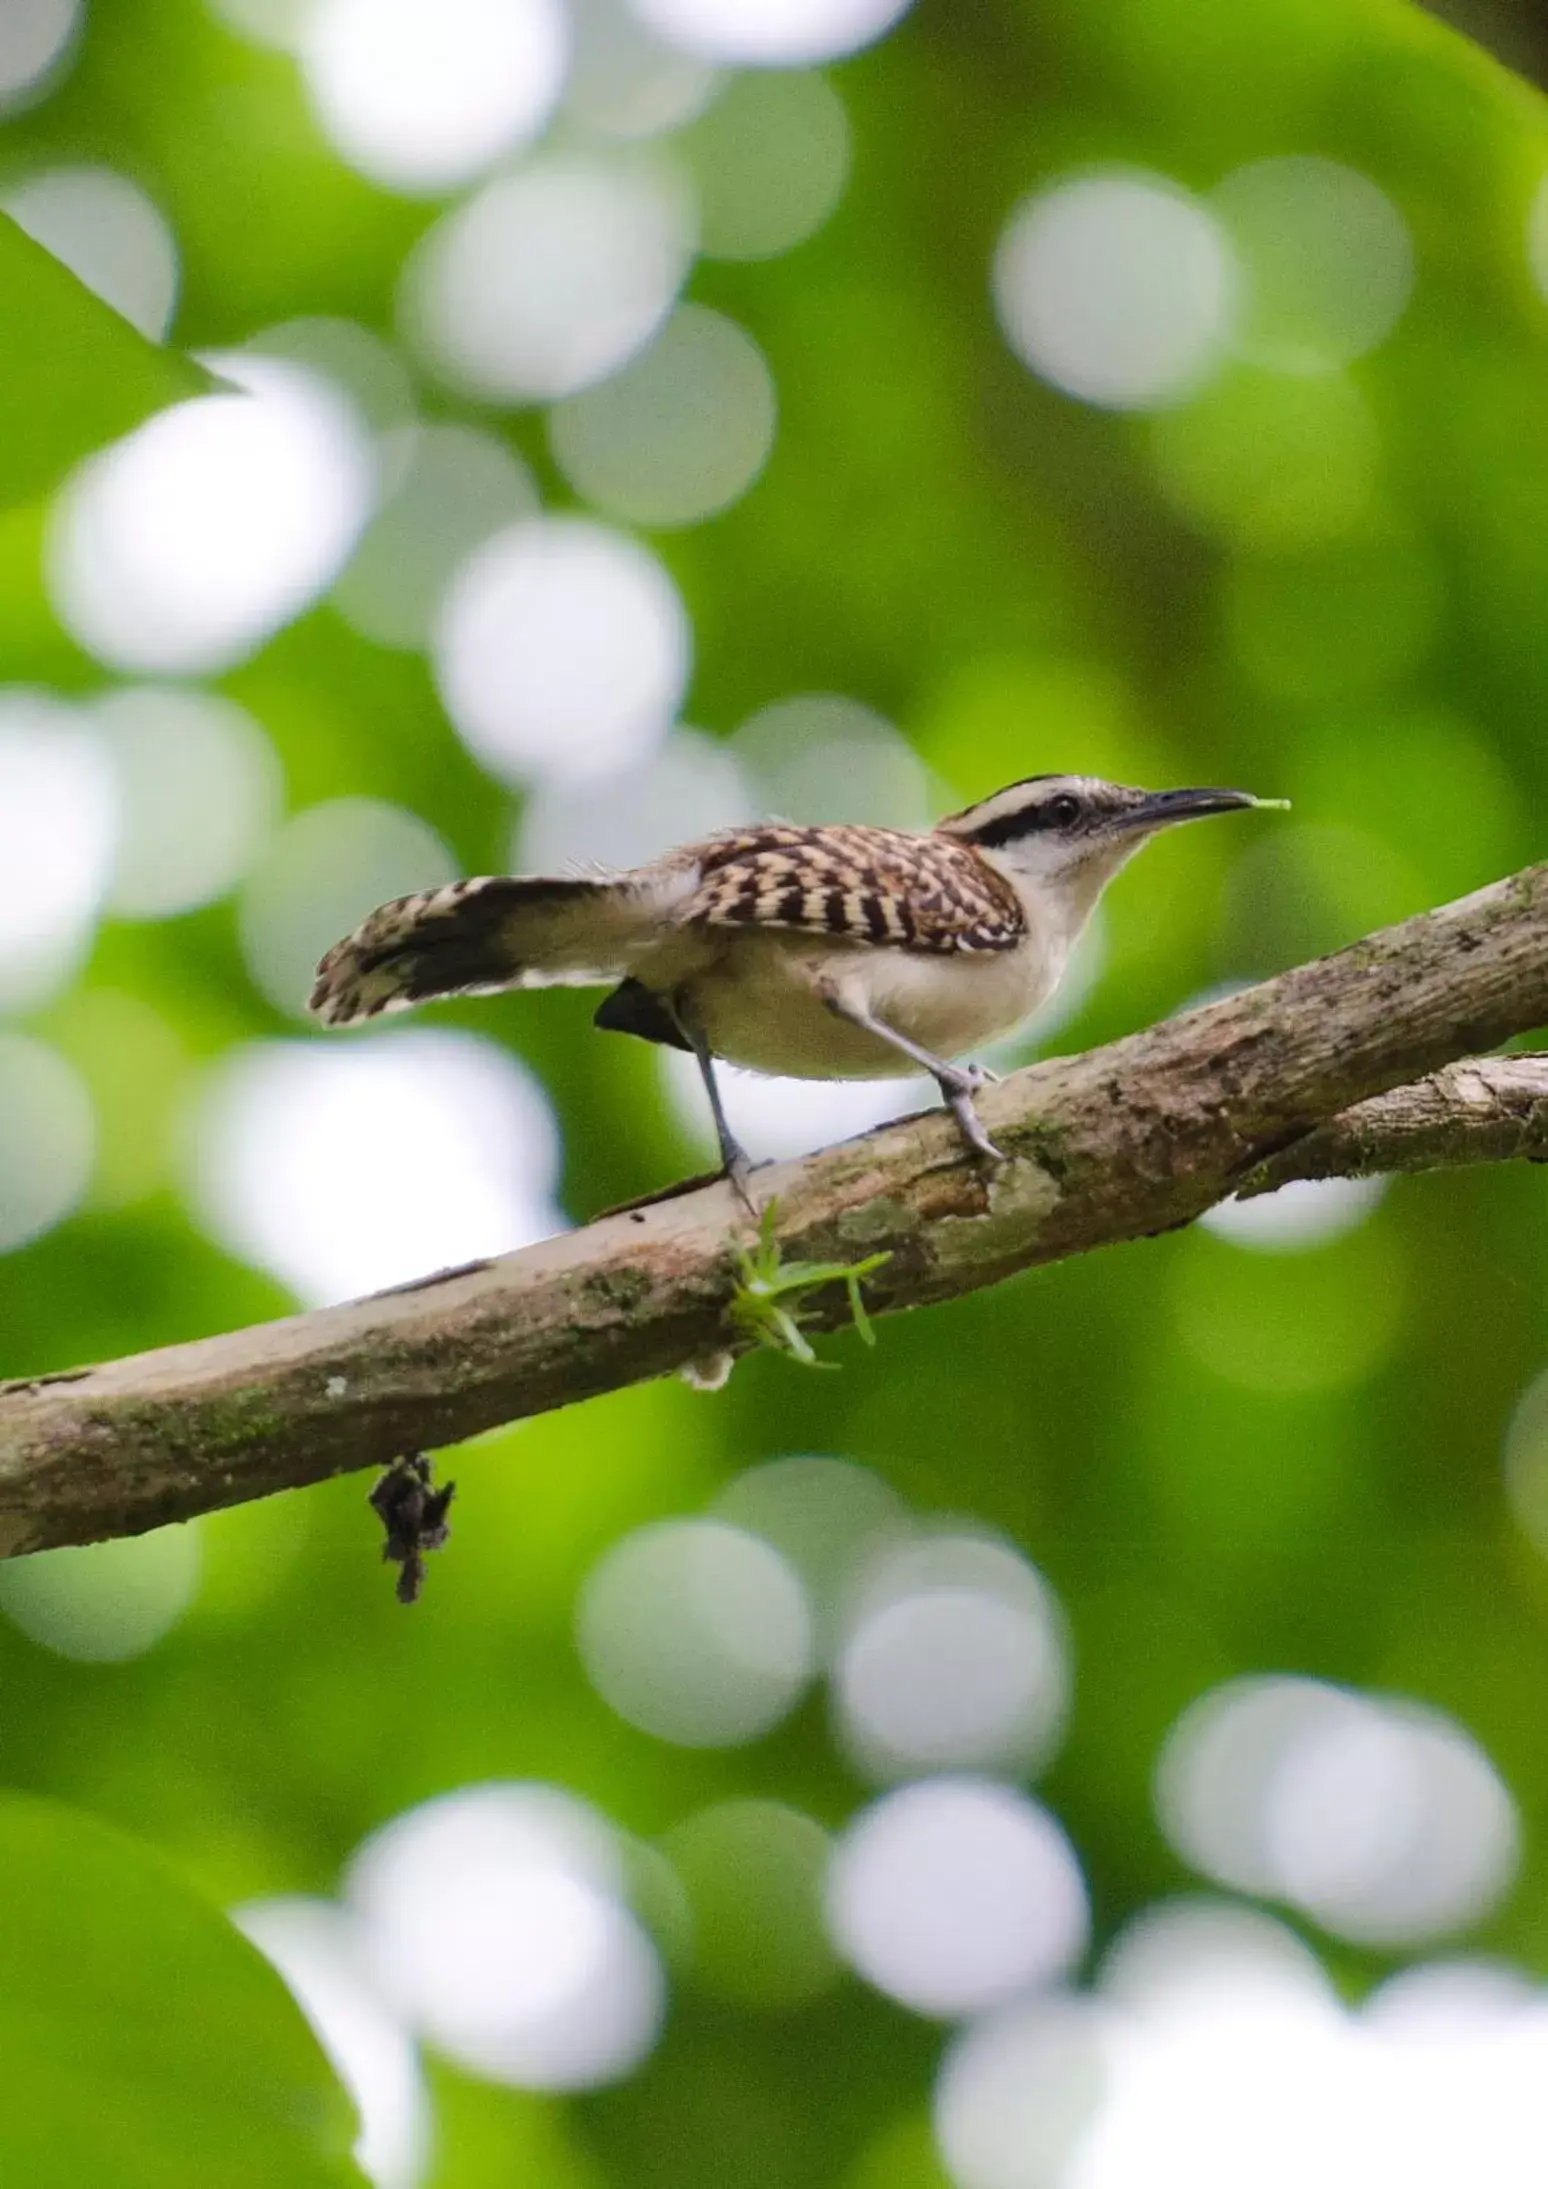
x=146 y=2043
x=71 y=367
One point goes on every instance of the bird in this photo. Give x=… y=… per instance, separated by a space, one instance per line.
x=827 y=951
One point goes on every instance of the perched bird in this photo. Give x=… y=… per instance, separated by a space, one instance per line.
x=821 y=953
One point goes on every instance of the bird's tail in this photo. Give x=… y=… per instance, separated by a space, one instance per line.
x=474 y=937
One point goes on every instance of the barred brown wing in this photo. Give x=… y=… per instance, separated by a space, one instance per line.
x=865 y=885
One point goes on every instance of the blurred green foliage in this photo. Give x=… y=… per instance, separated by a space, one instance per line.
x=72 y=374
x=1329 y=586
x=145 y=2042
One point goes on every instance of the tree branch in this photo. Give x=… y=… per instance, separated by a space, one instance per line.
x=1484 y=1110
x=1127 y=1140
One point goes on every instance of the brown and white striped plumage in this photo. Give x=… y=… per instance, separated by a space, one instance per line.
x=867 y=888
x=864 y=885
x=488 y=933
x=833 y=952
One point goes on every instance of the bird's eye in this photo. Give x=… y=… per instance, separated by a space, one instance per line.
x=1064 y=809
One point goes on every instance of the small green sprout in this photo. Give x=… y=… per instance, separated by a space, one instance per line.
x=765 y=1281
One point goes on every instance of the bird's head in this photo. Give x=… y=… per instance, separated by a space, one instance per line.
x=1062 y=838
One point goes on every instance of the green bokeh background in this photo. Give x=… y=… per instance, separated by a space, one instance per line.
x=1222 y=1461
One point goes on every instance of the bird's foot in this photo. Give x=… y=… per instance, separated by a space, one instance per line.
x=965 y=1079
x=738 y=1172
x=959 y=1091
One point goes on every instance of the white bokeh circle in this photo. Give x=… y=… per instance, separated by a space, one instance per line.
x=551 y=277
x=561 y=652
x=59 y=823
x=1308 y=1212
x=366 y=369
x=36 y=37
x=769 y=161
x=624 y=81
x=107 y=231
x=1018 y=2093
x=1222 y=2055
x=822 y=756
x=696 y=1632
x=199 y=790
x=1382 y=1820
x=1174 y=1952
x=688 y=789
x=772 y=33
x=953 y=1894
x=955 y=1659
x=829 y=1517
x=344 y=1168
x=48 y=1139
x=1117 y=288
x=1327 y=262
x=182 y=548
x=423 y=95
x=319 y=1950
x=104 y=1603
x=495 y=1919
x=680 y=433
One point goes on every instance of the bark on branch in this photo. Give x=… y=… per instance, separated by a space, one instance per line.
x=1483 y=1110
x=1291 y=1079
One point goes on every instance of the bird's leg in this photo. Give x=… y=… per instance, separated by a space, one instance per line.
x=733 y=1155
x=958 y=1082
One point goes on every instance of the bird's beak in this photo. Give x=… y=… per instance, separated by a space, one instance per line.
x=1159 y=809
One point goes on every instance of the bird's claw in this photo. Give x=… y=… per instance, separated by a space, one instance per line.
x=970 y=1125
x=967 y=1079
x=738 y=1171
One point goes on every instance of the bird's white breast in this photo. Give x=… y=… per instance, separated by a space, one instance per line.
x=761 y=1003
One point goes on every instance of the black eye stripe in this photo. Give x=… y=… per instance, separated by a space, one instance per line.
x=1054 y=813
